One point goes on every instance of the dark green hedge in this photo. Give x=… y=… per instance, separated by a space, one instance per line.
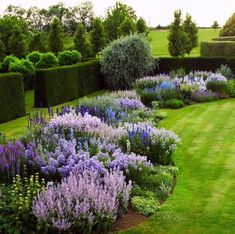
x=231 y=38
x=28 y=82
x=218 y=49
x=166 y=65
x=61 y=84
x=11 y=96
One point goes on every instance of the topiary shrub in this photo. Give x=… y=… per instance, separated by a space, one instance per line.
x=27 y=69
x=34 y=57
x=7 y=61
x=125 y=60
x=219 y=87
x=226 y=71
x=69 y=57
x=47 y=60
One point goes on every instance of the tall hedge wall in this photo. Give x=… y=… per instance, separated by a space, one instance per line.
x=11 y=96
x=61 y=84
x=166 y=65
x=218 y=49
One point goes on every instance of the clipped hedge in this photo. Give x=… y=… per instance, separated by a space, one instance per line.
x=11 y=96
x=61 y=84
x=218 y=49
x=231 y=38
x=166 y=65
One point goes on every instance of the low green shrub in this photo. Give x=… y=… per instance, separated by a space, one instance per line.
x=226 y=71
x=231 y=88
x=231 y=38
x=174 y=103
x=12 y=96
x=69 y=57
x=146 y=206
x=34 y=57
x=47 y=60
x=219 y=87
x=218 y=49
x=180 y=72
x=7 y=61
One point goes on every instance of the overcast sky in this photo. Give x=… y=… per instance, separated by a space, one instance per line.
x=155 y=12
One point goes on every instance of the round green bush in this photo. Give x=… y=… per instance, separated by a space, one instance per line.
x=174 y=103
x=7 y=61
x=47 y=60
x=219 y=87
x=226 y=71
x=34 y=57
x=23 y=66
x=231 y=88
x=68 y=57
x=125 y=60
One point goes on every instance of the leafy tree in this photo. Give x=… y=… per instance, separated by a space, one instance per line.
x=127 y=27
x=191 y=29
x=177 y=37
x=141 y=26
x=9 y=25
x=98 y=36
x=215 y=25
x=56 y=36
x=17 y=44
x=229 y=27
x=38 y=42
x=115 y=17
x=80 y=42
x=2 y=49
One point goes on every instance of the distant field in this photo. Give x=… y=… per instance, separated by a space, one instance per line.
x=159 y=41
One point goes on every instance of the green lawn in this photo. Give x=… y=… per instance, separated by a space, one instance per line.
x=204 y=198
x=17 y=127
x=159 y=41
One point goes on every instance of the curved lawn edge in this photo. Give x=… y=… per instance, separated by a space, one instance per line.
x=203 y=200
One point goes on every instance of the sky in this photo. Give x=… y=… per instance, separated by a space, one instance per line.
x=155 y=12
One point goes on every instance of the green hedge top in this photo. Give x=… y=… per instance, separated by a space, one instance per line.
x=231 y=38
x=61 y=84
x=11 y=96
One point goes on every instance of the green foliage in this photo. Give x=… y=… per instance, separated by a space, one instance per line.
x=226 y=71
x=231 y=38
x=56 y=36
x=231 y=88
x=229 y=27
x=80 y=42
x=180 y=72
x=174 y=103
x=218 y=49
x=190 y=28
x=16 y=202
x=98 y=36
x=218 y=87
x=126 y=60
x=61 y=84
x=115 y=17
x=47 y=60
x=38 y=42
x=141 y=26
x=17 y=44
x=215 y=25
x=145 y=206
x=2 y=49
x=127 y=27
x=69 y=57
x=12 y=96
x=34 y=57
x=177 y=37
x=166 y=65
x=23 y=66
x=7 y=61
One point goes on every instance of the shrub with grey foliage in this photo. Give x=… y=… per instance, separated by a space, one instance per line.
x=125 y=60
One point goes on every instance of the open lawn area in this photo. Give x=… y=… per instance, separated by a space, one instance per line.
x=159 y=41
x=204 y=196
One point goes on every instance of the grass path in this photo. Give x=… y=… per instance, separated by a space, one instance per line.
x=204 y=198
